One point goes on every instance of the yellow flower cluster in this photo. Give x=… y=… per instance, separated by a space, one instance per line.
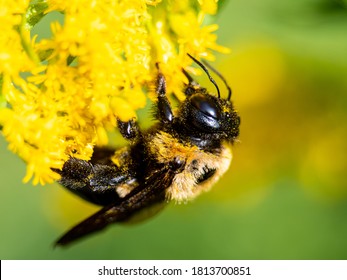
x=60 y=95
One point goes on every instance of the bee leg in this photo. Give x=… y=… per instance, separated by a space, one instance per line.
x=95 y=183
x=191 y=81
x=164 y=111
x=129 y=130
x=191 y=86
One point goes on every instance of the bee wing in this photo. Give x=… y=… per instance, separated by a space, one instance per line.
x=152 y=191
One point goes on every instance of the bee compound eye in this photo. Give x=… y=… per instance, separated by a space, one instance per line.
x=206 y=105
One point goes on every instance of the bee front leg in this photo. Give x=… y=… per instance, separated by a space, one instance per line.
x=192 y=86
x=164 y=111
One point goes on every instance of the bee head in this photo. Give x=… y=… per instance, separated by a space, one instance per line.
x=206 y=116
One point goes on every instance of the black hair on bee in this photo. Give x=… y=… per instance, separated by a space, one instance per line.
x=178 y=158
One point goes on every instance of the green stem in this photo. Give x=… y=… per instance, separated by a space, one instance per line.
x=33 y=15
x=23 y=33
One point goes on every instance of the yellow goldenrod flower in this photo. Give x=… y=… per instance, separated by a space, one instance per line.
x=63 y=93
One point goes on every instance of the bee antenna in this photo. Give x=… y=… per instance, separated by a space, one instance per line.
x=206 y=71
x=220 y=76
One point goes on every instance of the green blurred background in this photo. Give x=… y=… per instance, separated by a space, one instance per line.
x=285 y=196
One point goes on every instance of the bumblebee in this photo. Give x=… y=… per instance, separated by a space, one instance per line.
x=178 y=158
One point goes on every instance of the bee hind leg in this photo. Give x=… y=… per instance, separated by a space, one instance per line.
x=96 y=183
